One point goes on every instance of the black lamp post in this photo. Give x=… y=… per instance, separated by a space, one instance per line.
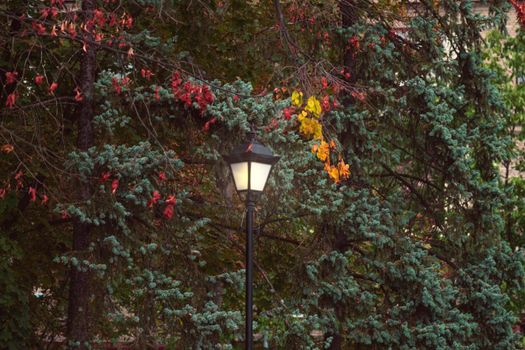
x=250 y=164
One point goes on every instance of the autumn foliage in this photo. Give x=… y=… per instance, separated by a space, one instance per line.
x=393 y=219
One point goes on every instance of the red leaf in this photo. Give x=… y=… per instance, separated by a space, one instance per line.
x=208 y=123
x=175 y=82
x=53 y=87
x=112 y=20
x=114 y=186
x=2 y=193
x=45 y=199
x=157 y=96
x=32 y=193
x=171 y=200
x=11 y=99
x=78 y=96
x=39 y=79
x=162 y=176
x=146 y=73
x=39 y=28
x=72 y=31
x=354 y=41
x=44 y=13
x=99 y=17
x=208 y=95
x=168 y=212
x=99 y=37
x=126 y=21
x=186 y=98
x=10 y=77
x=274 y=124
x=361 y=96
x=154 y=199
x=105 y=176
x=116 y=85
x=324 y=82
x=326 y=103
x=287 y=113
x=520 y=11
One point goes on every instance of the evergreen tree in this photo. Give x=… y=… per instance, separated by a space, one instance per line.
x=386 y=223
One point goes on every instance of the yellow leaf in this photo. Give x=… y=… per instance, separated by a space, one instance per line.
x=314 y=106
x=318 y=133
x=310 y=128
x=323 y=152
x=333 y=172
x=297 y=98
x=302 y=115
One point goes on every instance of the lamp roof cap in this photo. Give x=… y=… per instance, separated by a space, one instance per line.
x=252 y=150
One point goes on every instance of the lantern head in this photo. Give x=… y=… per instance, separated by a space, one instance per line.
x=251 y=164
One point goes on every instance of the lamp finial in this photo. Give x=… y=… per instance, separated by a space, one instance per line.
x=252 y=134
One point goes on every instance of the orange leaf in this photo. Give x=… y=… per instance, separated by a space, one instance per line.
x=78 y=96
x=8 y=148
x=344 y=169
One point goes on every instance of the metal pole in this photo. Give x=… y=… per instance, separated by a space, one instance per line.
x=250 y=205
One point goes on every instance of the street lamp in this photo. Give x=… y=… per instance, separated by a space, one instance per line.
x=250 y=164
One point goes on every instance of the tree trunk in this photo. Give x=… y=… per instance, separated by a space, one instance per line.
x=7 y=56
x=79 y=320
x=349 y=16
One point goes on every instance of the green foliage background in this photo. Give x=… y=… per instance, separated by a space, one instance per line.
x=422 y=248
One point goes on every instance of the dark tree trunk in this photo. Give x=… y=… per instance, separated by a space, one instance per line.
x=351 y=10
x=79 y=319
x=340 y=244
x=349 y=16
x=8 y=56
